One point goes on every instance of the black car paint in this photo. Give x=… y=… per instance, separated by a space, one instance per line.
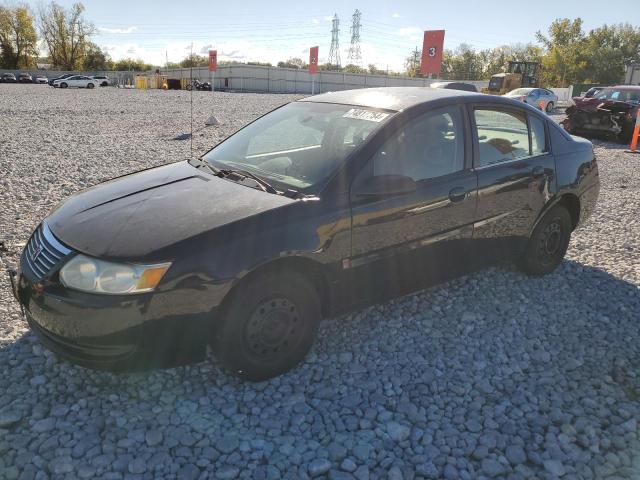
x=356 y=249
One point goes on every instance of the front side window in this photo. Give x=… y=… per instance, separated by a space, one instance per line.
x=429 y=146
x=502 y=136
x=298 y=145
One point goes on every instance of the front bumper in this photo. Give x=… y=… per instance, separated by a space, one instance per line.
x=114 y=333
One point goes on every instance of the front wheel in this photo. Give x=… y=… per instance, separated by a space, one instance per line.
x=548 y=242
x=63 y=85
x=550 y=106
x=268 y=327
x=90 y=85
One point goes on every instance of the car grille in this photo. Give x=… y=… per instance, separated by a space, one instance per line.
x=44 y=253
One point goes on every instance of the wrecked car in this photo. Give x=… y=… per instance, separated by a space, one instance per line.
x=610 y=113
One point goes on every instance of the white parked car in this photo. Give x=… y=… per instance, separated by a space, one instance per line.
x=79 y=81
x=103 y=80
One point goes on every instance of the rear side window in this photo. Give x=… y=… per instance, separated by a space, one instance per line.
x=538 y=136
x=502 y=136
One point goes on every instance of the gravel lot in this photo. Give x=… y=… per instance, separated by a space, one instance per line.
x=491 y=375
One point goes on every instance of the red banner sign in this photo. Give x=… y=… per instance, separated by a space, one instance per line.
x=313 y=60
x=432 y=45
x=213 y=60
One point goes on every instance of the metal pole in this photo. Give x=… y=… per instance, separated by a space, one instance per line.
x=312 y=85
x=213 y=79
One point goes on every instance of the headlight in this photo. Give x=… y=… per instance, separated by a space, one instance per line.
x=97 y=276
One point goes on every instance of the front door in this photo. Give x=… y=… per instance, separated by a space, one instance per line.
x=515 y=178
x=401 y=242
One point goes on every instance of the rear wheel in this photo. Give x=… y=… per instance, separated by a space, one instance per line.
x=268 y=327
x=548 y=242
x=550 y=106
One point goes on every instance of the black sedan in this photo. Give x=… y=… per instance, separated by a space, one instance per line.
x=318 y=207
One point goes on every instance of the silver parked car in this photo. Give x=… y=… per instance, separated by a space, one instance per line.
x=535 y=96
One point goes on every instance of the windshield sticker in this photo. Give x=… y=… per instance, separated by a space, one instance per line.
x=370 y=116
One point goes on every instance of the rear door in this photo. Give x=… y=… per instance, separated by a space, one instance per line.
x=403 y=241
x=73 y=81
x=516 y=177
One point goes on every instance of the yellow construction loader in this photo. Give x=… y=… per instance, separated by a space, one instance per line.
x=518 y=74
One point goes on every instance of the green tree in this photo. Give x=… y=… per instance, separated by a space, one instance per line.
x=96 y=59
x=564 y=61
x=66 y=34
x=608 y=50
x=373 y=70
x=127 y=64
x=329 y=67
x=193 y=60
x=18 y=38
x=412 y=63
x=351 y=68
x=293 y=62
x=464 y=63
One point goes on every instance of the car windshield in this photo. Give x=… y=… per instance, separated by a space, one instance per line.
x=619 y=95
x=519 y=91
x=298 y=145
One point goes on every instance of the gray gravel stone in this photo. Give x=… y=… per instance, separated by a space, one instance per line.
x=397 y=431
x=319 y=466
x=9 y=417
x=493 y=468
x=515 y=454
x=554 y=467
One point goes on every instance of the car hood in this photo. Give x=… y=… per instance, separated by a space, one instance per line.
x=138 y=214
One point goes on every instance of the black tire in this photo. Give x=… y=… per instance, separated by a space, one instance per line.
x=548 y=242
x=268 y=326
x=189 y=87
x=63 y=85
x=90 y=85
x=104 y=84
x=550 y=106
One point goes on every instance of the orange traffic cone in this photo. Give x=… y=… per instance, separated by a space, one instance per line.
x=633 y=148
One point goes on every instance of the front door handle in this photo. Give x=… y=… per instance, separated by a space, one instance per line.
x=537 y=172
x=457 y=194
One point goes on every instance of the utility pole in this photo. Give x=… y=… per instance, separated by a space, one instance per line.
x=334 y=51
x=355 y=54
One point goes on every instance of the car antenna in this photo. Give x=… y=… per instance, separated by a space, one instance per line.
x=191 y=96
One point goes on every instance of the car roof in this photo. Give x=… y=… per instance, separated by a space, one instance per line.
x=626 y=87
x=389 y=98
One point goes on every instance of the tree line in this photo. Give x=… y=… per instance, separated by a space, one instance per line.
x=567 y=53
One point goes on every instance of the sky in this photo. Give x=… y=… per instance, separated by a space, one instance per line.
x=259 y=30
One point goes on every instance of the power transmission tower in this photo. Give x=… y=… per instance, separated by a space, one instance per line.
x=355 y=54
x=334 y=51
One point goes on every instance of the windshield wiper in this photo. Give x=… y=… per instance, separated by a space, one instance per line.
x=224 y=173
x=265 y=186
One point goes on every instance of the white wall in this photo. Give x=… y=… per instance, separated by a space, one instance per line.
x=253 y=78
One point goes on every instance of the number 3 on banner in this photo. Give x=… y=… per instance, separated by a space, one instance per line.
x=432 y=51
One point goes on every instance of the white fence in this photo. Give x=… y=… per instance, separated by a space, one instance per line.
x=564 y=94
x=253 y=78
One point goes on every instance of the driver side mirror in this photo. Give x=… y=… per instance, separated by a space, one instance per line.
x=385 y=186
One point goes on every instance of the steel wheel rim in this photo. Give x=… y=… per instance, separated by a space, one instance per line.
x=550 y=242
x=273 y=330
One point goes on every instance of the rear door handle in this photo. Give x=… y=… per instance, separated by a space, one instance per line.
x=537 y=172
x=457 y=194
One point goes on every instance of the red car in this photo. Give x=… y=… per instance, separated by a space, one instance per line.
x=610 y=113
